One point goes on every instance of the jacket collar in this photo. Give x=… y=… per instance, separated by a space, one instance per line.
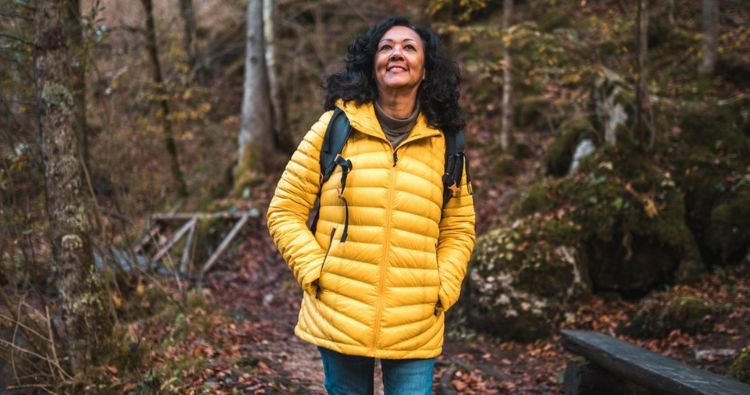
x=363 y=119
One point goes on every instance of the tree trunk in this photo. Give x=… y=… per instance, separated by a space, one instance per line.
x=190 y=29
x=74 y=22
x=507 y=107
x=161 y=94
x=282 y=139
x=670 y=11
x=641 y=86
x=710 y=41
x=256 y=141
x=87 y=323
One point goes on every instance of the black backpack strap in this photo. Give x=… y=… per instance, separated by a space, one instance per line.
x=337 y=133
x=455 y=162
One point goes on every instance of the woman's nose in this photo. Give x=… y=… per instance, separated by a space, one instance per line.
x=396 y=53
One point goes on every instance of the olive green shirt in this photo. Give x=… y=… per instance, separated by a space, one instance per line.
x=396 y=130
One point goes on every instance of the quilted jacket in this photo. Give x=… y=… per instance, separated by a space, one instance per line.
x=381 y=293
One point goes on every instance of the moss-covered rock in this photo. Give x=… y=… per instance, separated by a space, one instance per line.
x=613 y=100
x=740 y=369
x=660 y=314
x=630 y=218
x=729 y=226
x=710 y=158
x=520 y=283
x=559 y=154
x=531 y=112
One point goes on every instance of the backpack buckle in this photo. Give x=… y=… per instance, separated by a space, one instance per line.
x=455 y=189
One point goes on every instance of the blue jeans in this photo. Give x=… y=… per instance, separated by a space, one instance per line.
x=352 y=375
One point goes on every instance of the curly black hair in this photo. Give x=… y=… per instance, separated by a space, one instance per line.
x=438 y=93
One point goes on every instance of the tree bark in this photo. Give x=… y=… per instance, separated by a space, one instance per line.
x=256 y=141
x=161 y=94
x=190 y=29
x=87 y=323
x=507 y=108
x=74 y=22
x=641 y=86
x=710 y=41
x=282 y=139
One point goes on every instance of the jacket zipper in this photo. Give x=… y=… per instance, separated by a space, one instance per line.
x=386 y=249
x=325 y=259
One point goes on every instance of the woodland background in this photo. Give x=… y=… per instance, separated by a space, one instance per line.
x=609 y=142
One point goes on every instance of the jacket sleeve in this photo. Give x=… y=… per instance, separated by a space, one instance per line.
x=290 y=207
x=455 y=243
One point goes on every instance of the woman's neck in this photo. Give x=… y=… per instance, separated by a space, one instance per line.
x=398 y=106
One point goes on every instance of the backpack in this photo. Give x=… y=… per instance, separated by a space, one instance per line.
x=338 y=133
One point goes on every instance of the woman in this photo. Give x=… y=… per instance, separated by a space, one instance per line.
x=387 y=258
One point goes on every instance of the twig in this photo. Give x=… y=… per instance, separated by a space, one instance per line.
x=24 y=326
x=29 y=352
x=19 y=39
x=43 y=387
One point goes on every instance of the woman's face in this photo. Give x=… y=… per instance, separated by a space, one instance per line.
x=399 y=60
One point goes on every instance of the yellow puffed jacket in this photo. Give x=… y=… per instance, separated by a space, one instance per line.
x=381 y=293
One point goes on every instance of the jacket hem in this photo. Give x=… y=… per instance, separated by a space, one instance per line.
x=363 y=351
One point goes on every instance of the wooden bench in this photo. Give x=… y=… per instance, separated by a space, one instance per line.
x=614 y=367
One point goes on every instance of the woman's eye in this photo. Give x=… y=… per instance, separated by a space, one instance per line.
x=385 y=47
x=410 y=47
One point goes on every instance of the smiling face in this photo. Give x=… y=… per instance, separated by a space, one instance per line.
x=399 y=61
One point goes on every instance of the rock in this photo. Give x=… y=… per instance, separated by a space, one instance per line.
x=613 y=98
x=559 y=155
x=630 y=221
x=728 y=230
x=740 y=369
x=710 y=159
x=519 y=285
x=585 y=148
x=531 y=112
x=660 y=314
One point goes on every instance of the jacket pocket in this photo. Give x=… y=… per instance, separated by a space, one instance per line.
x=325 y=259
x=438 y=306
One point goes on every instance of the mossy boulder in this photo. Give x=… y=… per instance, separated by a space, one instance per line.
x=530 y=112
x=630 y=217
x=729 y=226
x=658 y=315
x=520 y=283
x=613 y=100
x=559 y=155
x=740 y=369
x=711 y=162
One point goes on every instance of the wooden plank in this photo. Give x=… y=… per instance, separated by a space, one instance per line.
x=177 y=236
x=224 y=214
x=647 y=368
x=223 y=246
x=185 y=260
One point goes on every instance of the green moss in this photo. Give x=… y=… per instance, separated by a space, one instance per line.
x=246 y=175
x=553 y=18
x=559 y=154
x=729 y=227
x=629 y=213
x=690 y=314
x=660 y=314
x=522 y=278
x=505 y=165
x=530 y=111
x=740 y=369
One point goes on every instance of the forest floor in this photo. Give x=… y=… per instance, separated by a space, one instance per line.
x=249 y=346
